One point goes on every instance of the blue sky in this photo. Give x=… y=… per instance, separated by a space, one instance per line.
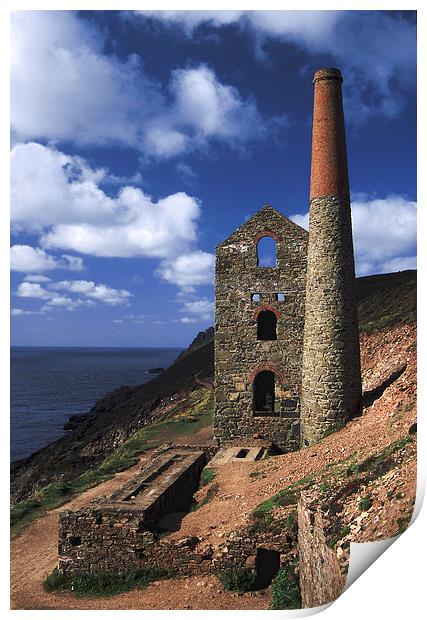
x=140 y=140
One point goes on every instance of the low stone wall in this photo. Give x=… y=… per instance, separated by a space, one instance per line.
x=116 y=533
x=322 y=574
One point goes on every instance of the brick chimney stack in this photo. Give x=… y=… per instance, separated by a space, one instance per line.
x=331 y=381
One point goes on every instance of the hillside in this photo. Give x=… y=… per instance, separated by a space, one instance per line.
x=365 y=473
x=384 y=301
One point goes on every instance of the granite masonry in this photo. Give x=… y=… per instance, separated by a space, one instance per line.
x=331 y=379
x=116 y=533
x=259 y=316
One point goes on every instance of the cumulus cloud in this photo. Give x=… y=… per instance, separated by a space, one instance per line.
x=58 y=196
x=384 y=232
x=65 y=87
x=188 y=270
x=27 y=258
x=85 y=293
x=198 y=309
x=376 y=50
x=99 y=292
x=32 y=289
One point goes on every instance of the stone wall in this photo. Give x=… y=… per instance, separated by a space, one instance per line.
x=322 y=574
x=116 y=533
x=239 y=356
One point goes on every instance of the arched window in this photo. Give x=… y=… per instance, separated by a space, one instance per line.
x=263 y=401
x=266 y=252
x=266 y=325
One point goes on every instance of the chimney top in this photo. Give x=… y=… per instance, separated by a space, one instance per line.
x=327 y=74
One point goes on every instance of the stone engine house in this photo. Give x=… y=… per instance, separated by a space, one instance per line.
x=259 y=323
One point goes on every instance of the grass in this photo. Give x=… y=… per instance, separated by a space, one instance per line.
x=400 y=302
x=208 y=474
x=238 y=579
x=286 y=497
x=285 y=589
x=379 y=464
x=103 y=584
x=185 y=418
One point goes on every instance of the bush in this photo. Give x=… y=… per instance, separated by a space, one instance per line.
x=366 y=503
x=285 y=589
x=55 y=581
x=239 y=579
x=103 y=584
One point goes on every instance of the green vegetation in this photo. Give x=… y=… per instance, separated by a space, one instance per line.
x=332 y=538
x=366 y=502
x=333 y=429
x=285 y=589
x=211 y=492
x=185 y=418
x=262 y=516
x=103 y=584
x=239 y=579
x=379 y=464
x=391 y=302
x=208 y=474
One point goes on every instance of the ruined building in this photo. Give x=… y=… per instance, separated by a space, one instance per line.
x=287 y=371
x=259 y=319
x=278 y=376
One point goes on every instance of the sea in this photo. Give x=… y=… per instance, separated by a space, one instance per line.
x=49 y=384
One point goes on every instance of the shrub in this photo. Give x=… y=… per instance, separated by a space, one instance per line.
x=55 y=581
x=285 y=589
x=103 y=584
x=366 y=503
x=239 y=579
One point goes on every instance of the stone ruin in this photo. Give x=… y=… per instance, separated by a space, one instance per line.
x=287 y=361
x=259 y=322
x=287 y=371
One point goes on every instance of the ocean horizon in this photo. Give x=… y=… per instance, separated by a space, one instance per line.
x=51 y=383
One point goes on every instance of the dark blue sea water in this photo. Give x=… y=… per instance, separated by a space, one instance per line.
x=48 y=384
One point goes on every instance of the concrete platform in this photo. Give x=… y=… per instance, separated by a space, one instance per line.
x=241 y=454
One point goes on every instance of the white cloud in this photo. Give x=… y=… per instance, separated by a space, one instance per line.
x=56 y=193
x=189 y=320
x=64 y=87
x=200 y=309
x=27 y=258
x=21 y=312
x=188 y=270
x=36 y=278
x=376 y=50
x=87 y=294
x=32 y=289
x=384 y=233
x=75 y=263
x=99 y=292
